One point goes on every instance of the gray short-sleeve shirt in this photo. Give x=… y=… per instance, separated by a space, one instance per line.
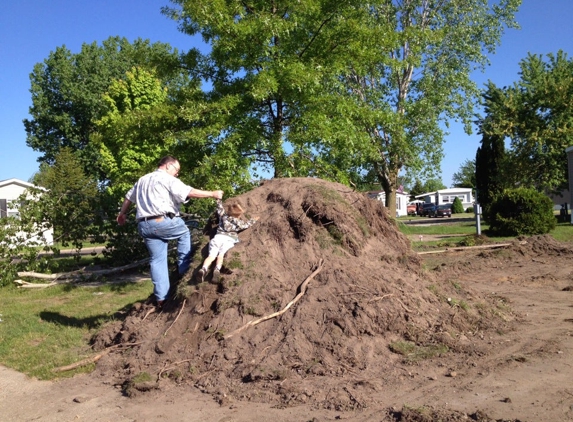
x=158 y=193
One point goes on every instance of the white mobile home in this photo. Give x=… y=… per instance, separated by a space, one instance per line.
x=447 y=196
x=10 y=191
x=402 y=199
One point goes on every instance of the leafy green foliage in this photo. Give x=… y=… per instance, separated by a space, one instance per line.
x=417 y=77
x=522 y=211
x=68 y=93
x=535 y=114
x=465 y=177
x=457 y=206
x=69 y=204
x=490 y=165
x=274 y=70
x=18 y=241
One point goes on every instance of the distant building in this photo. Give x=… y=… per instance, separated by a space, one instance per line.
x=402 y=199
x=569 y=152
x=447 y=196
x=10 y=191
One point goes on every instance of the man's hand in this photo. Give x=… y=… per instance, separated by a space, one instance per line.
x=218 y=194
x=121 y=218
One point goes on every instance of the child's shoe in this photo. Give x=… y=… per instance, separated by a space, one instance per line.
x=201 y=275
x=216 y=275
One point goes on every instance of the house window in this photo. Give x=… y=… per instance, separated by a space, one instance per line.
x=3 y=208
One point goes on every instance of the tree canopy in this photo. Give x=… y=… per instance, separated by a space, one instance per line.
x=534 y=114
x=420 y=79
x=340 y=89
x=68 y=92
x=465 y=177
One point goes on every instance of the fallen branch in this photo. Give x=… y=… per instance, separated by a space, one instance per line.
x=80 y=274
x=28 y=285
x=92 y=359
x=303 y=287
x=463 y=248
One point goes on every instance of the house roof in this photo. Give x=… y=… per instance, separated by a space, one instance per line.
x=445 y=192
x=16 y=182
x=381 y=192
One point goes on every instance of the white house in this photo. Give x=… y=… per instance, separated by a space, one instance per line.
x=10 y=191
x=402 y=199
x=447 y=196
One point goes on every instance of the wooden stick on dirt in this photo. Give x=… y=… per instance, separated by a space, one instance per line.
x=463 y=248
x=92 y=359
x=292 y=302
x=173 y=365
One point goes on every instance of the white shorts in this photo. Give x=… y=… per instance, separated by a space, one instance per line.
x=220 y=244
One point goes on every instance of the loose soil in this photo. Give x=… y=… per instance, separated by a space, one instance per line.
x=325 y=313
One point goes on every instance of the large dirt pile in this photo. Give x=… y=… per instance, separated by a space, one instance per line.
x=337 y=296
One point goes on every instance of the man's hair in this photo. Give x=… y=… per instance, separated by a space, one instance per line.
x=168 y=159
x=235 y=210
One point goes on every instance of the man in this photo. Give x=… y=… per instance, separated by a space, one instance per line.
x=158 y=196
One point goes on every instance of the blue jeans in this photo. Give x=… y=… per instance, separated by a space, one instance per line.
x=157 y=235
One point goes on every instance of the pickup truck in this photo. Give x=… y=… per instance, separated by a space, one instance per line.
x=411 y=209
x=427 y=210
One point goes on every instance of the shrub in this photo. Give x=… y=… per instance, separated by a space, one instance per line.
x=457 y=206
x=470 y=210
x=520 y=211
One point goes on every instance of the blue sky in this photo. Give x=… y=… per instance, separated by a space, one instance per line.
x=31 y=29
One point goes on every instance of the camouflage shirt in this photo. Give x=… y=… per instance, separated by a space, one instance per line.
x=231 y=226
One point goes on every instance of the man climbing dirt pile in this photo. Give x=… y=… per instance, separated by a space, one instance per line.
x=324 y=303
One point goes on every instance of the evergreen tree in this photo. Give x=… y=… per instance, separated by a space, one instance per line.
x=489 y=169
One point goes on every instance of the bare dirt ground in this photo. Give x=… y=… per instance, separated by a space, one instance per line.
x=337 y=290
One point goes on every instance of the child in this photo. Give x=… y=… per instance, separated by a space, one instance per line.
x=230 y=223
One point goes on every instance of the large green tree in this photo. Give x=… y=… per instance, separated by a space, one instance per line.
x=465 y=177
x=68 y=203
x=339 y=89
x=536 y=116
x=490 y=164
x=418 y=79
x=68 y=93
x=274 y=69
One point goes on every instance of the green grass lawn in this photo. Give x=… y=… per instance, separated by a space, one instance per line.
x=457 y=233
x=42 y=329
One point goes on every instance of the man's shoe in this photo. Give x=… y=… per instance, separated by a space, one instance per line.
x=160 y=305
x=201 y=275
x=216 y=276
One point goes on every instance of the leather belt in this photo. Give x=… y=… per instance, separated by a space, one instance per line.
x=156 y=217
x=152 y=217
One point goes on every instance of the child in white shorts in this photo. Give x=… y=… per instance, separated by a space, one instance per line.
x=230 y=224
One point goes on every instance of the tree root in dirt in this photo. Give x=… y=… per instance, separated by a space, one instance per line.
x=303 y=287
x=92 y=359
x=176 y=318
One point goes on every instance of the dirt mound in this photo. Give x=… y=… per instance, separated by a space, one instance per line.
x=323 y=302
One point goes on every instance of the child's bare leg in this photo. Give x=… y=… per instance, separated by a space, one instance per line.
x=219 y=262
x=205 y=268
x=208 y=261
x=218 y=265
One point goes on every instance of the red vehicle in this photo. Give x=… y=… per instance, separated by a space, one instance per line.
x=441 y=211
